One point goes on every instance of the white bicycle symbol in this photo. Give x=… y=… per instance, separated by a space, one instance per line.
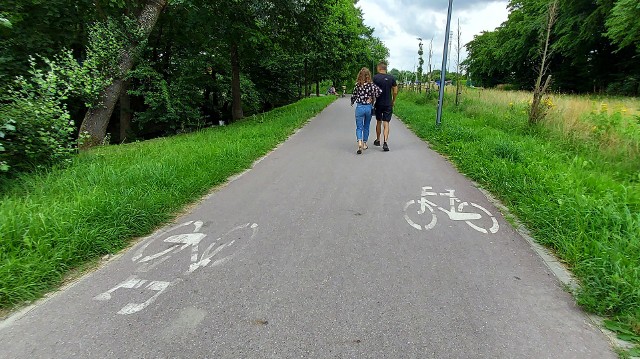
x=455 y=213
x=224 y=248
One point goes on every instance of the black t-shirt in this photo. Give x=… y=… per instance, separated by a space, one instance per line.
x=385 y=82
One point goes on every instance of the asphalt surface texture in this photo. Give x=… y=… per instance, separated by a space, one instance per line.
x=318 y=252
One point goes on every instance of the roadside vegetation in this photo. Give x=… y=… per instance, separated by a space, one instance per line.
x=593 y=46
x=56 y=220
x=95 y=72
x=573 y=180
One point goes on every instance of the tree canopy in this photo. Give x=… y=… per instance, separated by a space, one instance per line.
x=201 y=63
x=595 y=47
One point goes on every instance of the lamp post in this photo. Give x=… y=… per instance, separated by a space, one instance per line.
x=444 y=66
x=420 y=62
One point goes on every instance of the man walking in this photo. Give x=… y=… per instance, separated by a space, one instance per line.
x=384 y=103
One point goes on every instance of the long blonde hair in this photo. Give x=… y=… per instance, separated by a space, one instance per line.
x=364 y=76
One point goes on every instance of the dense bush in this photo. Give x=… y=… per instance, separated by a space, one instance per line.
x=173 y=104
x=628 y=86
x=36 y=127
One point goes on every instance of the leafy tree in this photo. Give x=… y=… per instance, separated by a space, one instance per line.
x=94 y=125
x=483 y=61
x=146 y=68
x=622 y=24
x=584 y=56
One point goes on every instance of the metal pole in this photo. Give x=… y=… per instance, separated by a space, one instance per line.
x=444 y=66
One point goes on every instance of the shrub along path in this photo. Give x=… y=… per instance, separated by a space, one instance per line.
x=319 y=252
x=56 y=221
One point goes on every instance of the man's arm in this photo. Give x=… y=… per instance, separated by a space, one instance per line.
x=394 y=92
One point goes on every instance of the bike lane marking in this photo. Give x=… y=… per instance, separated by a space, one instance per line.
x=178 y=243
x=455 y=213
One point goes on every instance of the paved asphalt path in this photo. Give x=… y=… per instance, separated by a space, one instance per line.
x=309 y=255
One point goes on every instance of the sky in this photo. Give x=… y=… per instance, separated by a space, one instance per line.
x=398 y=23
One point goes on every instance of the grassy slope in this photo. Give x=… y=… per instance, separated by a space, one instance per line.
x=53 y=222
x=580 y=202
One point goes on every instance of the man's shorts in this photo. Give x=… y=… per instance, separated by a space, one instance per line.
x=383 y=113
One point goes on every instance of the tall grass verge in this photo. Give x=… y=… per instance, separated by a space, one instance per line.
x=612 y=123
x=57 y=220
x=578 y=198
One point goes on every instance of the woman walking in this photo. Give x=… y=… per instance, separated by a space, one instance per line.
x=364 y=94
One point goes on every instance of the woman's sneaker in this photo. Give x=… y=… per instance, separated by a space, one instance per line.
x=385 y=147
x=376 y=142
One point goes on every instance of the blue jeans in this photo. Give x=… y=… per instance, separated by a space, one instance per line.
x=363 y=120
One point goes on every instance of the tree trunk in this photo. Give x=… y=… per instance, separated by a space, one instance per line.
x=536 y=112
x=125 y=113
x=306 y=80
x=317 y=88
x=236 y=94
x=95 y=122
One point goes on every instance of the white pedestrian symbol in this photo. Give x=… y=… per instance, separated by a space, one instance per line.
x=223 y=248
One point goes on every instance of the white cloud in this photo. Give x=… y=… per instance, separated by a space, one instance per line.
x=399 y=22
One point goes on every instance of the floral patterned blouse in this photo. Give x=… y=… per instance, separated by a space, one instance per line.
x=365 y=94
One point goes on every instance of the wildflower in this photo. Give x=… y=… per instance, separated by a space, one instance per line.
x=604 y=107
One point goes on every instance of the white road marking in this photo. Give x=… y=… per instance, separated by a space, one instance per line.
x=178 y=243
x=188 y=239
x=158 y=286
x=146 y=267
x=495 y=226
x=406 y=216
x=194 y=253
x=426 y=191
x=424 y=205
x=141 y=249
x=454 y=213
x=157 y=255
x=130 y=283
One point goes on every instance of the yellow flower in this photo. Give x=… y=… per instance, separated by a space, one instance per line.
x=548 y=102
x=604 y=107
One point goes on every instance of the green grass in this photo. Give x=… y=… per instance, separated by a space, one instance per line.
x=576 y=199
x=53 y=222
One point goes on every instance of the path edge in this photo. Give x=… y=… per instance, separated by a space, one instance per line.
x=17 y=313
x=560 y=270
x=556 y=267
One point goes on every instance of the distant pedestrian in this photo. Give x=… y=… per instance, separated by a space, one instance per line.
x=364 y=95
x=384 y=104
